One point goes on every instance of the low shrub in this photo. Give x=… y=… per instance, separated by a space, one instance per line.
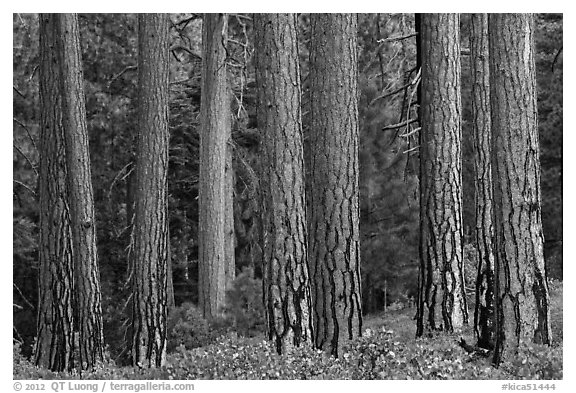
x=188 y=328
x=244 y=311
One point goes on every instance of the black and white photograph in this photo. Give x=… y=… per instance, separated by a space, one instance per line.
x=286 y=196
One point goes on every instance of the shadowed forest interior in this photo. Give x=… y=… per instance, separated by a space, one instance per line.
x=233 y=180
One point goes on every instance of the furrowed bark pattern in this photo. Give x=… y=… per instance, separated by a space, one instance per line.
x=334 y=251
x=150 y=229
x=229 y=233
x=55 y=337
x=484 y=324
x=441 y=299
x=86 y=272
x=287 y=297
x=214 y=136
x=522 y=301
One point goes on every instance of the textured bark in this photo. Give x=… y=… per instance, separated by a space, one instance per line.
x=333 y=221
x=287 y=297
x=522 y=302
x=79 y=182
x=150 y=230
x=215 y=133
x=484 y=324
x=55 y=337
x=441 y=297
x=229 y=233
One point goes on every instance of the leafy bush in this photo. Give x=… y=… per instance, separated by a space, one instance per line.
x=244 y=309
x=187 y=327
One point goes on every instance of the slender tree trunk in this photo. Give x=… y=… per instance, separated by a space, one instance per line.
x=522 y=302
x=484 y=324
x=333 y=221
x=287 y=297
x=215 y=133
x=442 y=300
x=55 y=338
x=150 y=230
x=86 y=276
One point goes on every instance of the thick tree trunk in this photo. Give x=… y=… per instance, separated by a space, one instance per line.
x=441 y=298
x=229 y=233
x=334 y=251
x=87 y=277
x=287 y=297
x=215 y=133
x=522 y=302
x=484 y=324
x=55 y=337
x=150 y=230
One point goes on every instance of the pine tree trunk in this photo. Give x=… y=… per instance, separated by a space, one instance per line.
x=522 y=301
x=229 y=233
x=150 y=230
x=287 y=297
x=333 y=231
x=484 y=324
x=442 y=300
x=87 y=277
x=55 y=338
x=215 y=133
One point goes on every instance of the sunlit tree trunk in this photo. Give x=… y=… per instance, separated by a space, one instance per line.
x=482 y=137
x=285 y=271
x=522 y=300
x=333 y=221
x=55 y=338
x=86 y=272
x=150 y=230
x=441 y=299
x=214 y=136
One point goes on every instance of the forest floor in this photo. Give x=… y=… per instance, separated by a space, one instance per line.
x=388 y=349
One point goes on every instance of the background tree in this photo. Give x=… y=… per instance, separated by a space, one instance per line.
x=149 y=255
x=441 y=296
x=332 y=189
x=482 y=136
x=285 y=267
x=87 y=294
x=215 y=123
x=55 y=339
x=522 y=300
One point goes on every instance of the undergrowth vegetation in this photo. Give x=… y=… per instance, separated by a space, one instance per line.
x=387 y=350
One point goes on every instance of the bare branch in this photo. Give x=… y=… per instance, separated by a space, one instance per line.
x=397 y=38
x=411 y=150
x=414 y=131
x=23 y=297
x=125 y=70
x=25 y=186
x=27 y=132
x=399 y=125
x=26 y=158
x=18 y=91
x=556 y=58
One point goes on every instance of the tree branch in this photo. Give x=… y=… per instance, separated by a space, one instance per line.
x=26 y=158
x=27 y=132
x=398 y=125
x=25 y=186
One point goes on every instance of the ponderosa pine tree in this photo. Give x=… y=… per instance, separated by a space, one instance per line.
x=214 y=136
x=150 y=230
x=332 y=189
x=522 y=300
x=441 y=296
x=87 y=296
x=55 y=337
x=287 y=298
x=484 y=324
